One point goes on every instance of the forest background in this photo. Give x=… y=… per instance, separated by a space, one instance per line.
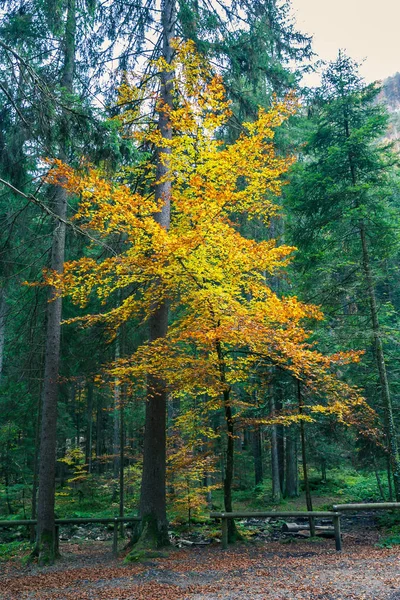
x=230 y=287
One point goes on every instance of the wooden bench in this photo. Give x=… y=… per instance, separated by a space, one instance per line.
x=78 y=521
x=225 y=516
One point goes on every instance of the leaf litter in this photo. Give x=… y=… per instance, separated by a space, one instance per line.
x=273 y=571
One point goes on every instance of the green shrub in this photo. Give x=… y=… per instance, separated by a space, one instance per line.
x=389 y=542
x=14 y=550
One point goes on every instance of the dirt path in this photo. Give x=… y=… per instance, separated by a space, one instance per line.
x=274 y=571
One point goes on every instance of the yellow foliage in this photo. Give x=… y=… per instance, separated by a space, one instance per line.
x=229 y=317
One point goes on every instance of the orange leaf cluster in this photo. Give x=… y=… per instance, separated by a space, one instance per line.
x=215 y=278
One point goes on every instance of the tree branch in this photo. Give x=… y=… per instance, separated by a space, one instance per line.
x=47 y=210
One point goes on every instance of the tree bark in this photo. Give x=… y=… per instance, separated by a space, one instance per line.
x=233 y=533
x=89 y=426
x=48 y=438
x=304 y=459
x=99 y=434
x=389 y=478
x=378 y=479
x=292 y=478
x=153 y=492
x=276 y=484
x=3 y=314
x=46 y=543
x=116 y=415
x=280 y=433
x=257 y=455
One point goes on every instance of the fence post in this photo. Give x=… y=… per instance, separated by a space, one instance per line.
x=338 y=538
x=224 y=533
x=115 y=538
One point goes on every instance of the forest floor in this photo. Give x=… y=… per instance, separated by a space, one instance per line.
x=301 y=570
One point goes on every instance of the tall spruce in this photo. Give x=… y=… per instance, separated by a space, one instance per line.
x=341 y=200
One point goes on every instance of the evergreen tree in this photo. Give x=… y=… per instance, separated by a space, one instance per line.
x=341 y=204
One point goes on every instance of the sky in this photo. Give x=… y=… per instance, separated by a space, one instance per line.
x=365 y=29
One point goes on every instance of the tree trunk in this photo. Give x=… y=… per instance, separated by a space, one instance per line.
x=116 y=416
x=153 y=492
x=257 y=455
x=233 y=533
x=228 y=479
x=99 y=434
x=304 y=459
x=121 y=461
x=3 y=313
x=292 y=477
x=389 y=478
x=35 y=469
x=323 y=470
x=89 y=426
x=378 y=479
x=280 y=434
x=276 y=484
x=46 y=547
x=48 y=438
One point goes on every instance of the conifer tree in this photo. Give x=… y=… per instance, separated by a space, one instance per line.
x=341 y=198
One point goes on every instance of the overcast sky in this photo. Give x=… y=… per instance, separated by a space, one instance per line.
x=366 y=29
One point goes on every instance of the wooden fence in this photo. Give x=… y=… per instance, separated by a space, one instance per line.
x=225 y=517
x=338 y=509
x=370 y=506
x=78 y=521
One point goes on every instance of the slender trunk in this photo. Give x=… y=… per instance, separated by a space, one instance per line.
x=208 y=481
x=229 y=452
x=153 y=492
x=304 y=459
x=3 y=314
x=378 y=480
x=77 y=408
x=276 y=484
x=280 y=435
x=380 y=359
x=323 y=470
x=7 y=484
x=389 y=478
x=89 y=426
x=46 y=547
x=121 y=463
x=116 y=416
x=233 y=533
x=257 y=455
x=280 y=432
x=291 y=489
x=99 y=433
x=35 y=468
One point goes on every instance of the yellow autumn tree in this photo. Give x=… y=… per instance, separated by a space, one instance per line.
x=226 y=318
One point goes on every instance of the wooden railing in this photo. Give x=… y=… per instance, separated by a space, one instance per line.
x=370 y=506
x=226 y=516
x=78 y=521
x=335 y=516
